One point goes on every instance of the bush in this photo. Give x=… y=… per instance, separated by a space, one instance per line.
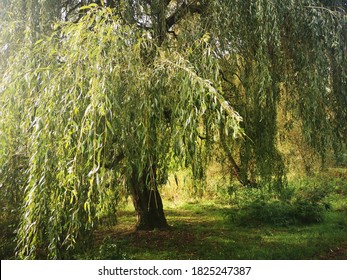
x=303 y=205
x=310 y=203
x=308 y=212
x=278 y=213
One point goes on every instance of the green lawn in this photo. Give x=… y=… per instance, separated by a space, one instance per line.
x=205 y=231
x=238 y=227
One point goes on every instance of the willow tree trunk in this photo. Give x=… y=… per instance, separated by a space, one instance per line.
x=148 y=204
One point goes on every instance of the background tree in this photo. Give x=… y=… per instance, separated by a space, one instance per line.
x=119 y=89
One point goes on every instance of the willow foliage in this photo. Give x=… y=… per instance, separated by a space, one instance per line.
x=112 y=94
x=101 y=100
x=289 y=55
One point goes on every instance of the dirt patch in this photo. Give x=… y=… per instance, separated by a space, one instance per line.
x=140 y=238
x=338 y=253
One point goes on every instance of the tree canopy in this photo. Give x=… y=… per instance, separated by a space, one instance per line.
x=98 y=98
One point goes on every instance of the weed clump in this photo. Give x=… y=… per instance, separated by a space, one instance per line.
x=111 y=250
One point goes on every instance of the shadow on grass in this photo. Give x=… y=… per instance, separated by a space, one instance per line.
x=206 y=233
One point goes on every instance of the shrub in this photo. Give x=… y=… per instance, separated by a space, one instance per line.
x=260 y=211
x=307 y=212
x=303 y=205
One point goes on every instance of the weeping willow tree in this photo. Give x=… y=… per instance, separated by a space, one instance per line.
x=117 y=90
x=105 y=105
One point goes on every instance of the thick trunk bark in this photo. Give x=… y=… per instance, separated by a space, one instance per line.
x=148 y=205
x=149 y=209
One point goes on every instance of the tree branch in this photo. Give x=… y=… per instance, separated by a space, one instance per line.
x=235 y=168
x=182 y=11
x=115 y=161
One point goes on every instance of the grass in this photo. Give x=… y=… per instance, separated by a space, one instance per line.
x=207 y=228
x=204 y=231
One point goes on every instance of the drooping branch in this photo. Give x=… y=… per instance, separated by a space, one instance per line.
x=72 y=9
x=236 y=171
x=116 y=160
x=186 y=8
